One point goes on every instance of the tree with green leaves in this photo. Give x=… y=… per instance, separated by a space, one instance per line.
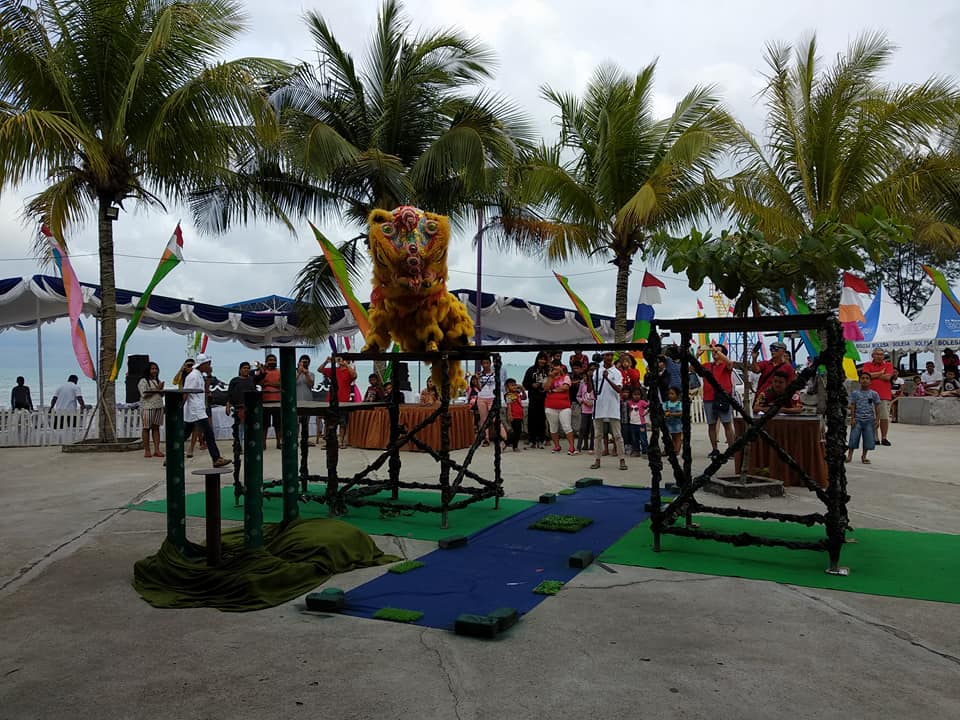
x=109 y=101
x=409 y=124
x=619 y=176
x=840 y=142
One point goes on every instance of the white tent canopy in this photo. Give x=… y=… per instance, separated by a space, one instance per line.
x=936 y=326
x=939 y=321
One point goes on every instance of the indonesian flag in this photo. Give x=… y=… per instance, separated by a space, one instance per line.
x=852 y=300
x=171 y=257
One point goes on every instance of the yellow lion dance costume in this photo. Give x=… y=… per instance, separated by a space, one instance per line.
x=410 y=302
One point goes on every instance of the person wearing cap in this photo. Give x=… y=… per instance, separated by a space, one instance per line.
x=880 y=371
x=195 y=408
x=778 y=362
x=608 y=383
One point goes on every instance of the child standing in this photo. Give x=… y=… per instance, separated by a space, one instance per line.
x=673 y=411
x=863 y=418
x=586 y=397
x=637 y=427
x=514 y=396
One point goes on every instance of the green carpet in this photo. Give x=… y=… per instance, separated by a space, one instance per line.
x=419 y=526
x=920 y=566
x=294 y=560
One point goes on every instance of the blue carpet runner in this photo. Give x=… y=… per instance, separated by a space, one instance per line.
x=501 y=564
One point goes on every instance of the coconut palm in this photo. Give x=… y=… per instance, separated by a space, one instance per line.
x=619 y=176
x=106 y=101
x=839 y=142
x=406 y=125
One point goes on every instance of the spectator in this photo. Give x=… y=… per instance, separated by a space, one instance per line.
x=429 y=394
x=182 y=373
x=557 y=407
x=637 y=425
x=932 y=379
x=919 y=389
x=268 y=378
x=608 y=383
x=68 y=396
x=586 y=397
x=628 y=367
x=949 y=359
x=896 y=391
x=151 y=408
x=774 y=392
x=20 y=396
x=864 y=417
x=374 y=391
x=304 y=385
x=514 y=397
x=533 y=383
x=487 y=381
x=236 y=400
x=346 y=374
x=717 y=409
x=195 y=408
x=951 y=385
x=881 y=371
x=778 y=362
x=673 y=413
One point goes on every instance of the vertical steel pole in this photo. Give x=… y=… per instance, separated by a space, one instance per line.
x=333 y=442
x=176 y=488
x=478 y=323
x=288 y=424
x=393 y=412
x=650 y=353
x=497 y=427
x=445 y=496
x=253 y=470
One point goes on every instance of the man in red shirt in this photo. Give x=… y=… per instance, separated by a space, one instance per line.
x=718 y=410
x=778 y=362
x=346 y=374
x=880 y=372
x=268 y=378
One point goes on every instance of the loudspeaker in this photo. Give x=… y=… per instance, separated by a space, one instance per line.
x=136 y=366
x=401 y=376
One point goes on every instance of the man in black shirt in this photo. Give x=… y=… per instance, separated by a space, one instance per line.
x=20 y=396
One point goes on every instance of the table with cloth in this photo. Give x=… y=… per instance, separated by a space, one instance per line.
x=800 y=436
x=370 y=429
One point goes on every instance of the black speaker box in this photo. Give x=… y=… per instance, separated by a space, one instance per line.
x=136 y=366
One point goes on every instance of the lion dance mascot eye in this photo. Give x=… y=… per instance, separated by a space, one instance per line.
x=410 y=302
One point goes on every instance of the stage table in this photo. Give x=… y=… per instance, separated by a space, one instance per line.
x=370 y=429
x=800 y=436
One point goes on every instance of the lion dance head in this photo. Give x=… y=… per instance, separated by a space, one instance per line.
x=410 y=303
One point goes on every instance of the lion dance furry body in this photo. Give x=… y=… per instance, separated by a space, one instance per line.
x=410 y=302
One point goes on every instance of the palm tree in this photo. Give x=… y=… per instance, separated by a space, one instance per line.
x=838 y=142
x=113 y=100
x=619 y=177
x=406 y=125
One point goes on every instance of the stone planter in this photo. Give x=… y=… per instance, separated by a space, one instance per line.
x=119 y=445
x=751 y=486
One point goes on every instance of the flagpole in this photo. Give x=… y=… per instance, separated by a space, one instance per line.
x=478 y=323
x=39 y=352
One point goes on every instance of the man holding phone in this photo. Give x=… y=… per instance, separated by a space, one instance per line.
x=346 y=374
x=777 y=363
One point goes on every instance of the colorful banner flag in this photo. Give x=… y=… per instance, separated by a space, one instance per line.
x=703 y=339
x=649 y=296
x=71 y=288
x=579 y=305
x=172 y=256
x=850 y=311
x=796 y=306
x=941 y=282
x=338 y=267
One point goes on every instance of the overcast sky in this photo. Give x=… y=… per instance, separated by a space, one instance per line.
x=558 y=43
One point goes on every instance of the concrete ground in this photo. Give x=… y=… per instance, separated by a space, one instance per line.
x=76 y=641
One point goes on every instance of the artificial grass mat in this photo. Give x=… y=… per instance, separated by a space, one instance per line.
x=561 y=523
x=294 y=560
x=920 y=566
x=419 y=525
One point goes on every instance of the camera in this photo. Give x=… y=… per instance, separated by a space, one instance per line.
x=596 y=357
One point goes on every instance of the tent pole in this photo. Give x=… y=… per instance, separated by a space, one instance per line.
x=478 y=323
x=40 y=353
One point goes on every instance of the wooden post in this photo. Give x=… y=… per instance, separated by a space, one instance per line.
x=176 y=488
x=253 y=471
x=288 y=424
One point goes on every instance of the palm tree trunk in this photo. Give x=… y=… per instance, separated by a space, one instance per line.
x=623 y=284
x=106 y=417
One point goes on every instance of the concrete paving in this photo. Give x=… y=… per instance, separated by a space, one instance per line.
x=76 y=641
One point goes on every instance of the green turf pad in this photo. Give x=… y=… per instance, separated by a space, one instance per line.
x=405 y=566
x=419 y=525
x=921 y=566
x=561 y=523
x=293 y=560
x=548 y=587
x=566 y=491
x=398 y=615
